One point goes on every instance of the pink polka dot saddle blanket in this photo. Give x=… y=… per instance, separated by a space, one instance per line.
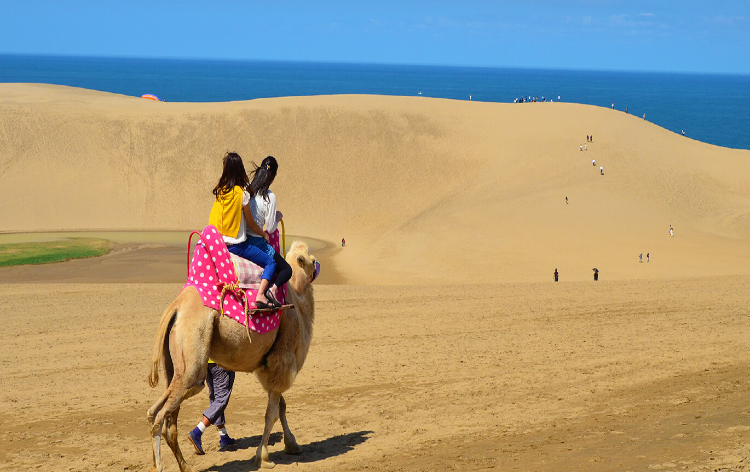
x=229 y=284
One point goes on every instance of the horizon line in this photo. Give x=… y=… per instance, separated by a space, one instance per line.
x=402 y=64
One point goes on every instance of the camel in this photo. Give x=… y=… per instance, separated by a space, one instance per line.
x=189 y=332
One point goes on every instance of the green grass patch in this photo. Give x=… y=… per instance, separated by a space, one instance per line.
x=52 y=251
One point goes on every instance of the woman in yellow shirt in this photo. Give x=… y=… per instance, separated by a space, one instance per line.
x=231 y=215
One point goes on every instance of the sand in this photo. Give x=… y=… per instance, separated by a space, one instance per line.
x=441 y=340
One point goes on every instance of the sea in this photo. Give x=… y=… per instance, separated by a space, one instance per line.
x=711 y=108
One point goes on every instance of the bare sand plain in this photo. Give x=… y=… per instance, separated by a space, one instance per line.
x=440 y=340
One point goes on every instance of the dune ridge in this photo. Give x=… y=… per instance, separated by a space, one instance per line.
x=424 y=190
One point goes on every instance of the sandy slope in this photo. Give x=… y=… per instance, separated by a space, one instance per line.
x=424 y=190
x=449 y=347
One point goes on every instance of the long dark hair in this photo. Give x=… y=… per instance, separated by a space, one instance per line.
x=263 y=177
x=233 y=174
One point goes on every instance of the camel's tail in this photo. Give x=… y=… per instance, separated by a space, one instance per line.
x=160 y=344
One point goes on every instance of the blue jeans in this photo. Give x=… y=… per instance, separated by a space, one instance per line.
x=261 y=244
x=247 y=251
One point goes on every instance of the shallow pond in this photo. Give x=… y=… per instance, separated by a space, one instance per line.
x=168 y=238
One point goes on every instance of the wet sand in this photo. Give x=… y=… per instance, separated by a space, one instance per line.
x=133 y=262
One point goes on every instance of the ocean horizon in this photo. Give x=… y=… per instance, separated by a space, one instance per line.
x=712 y=108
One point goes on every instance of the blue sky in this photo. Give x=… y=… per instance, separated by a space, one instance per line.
x=683 y=36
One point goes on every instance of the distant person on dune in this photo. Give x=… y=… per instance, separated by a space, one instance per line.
x=640 y=258
x=566 y=202
x=601 y=170
x=593 y=162
x=343 y=242
x=596 y=274
x=556 y=274
x=671 y=231
x=648 y=254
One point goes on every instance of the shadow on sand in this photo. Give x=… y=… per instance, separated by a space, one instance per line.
x=312 y=452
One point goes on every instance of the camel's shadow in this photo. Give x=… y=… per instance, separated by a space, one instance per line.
x=312 y=452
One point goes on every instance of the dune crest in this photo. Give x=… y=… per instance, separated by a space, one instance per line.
x=424 y=190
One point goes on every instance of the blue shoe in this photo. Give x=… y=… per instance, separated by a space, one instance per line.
x=226 y=441
x=195 y=437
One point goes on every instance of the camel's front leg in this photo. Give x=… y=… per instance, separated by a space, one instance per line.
x=290 y=443
x=272 y=414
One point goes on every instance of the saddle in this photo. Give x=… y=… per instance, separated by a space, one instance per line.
x=229 y=284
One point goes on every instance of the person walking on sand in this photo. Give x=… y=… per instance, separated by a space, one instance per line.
x=640 y=258
x=566 y=202
x=343 y=242
x=648 y=254
x=593 y=162
x=596 y=274
x=231 y=216
x=601 y=170
x=671 y=231
x=556 y=274
x=220 y=384
x=581 y=147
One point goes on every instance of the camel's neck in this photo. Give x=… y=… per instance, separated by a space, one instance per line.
x=305 y=303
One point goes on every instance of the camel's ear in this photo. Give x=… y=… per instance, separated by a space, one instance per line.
x=301 y=261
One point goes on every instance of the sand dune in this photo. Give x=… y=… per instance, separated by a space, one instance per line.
x=424 y=190
x=433 y=195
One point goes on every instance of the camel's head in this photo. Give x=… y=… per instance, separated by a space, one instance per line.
x=305 y=268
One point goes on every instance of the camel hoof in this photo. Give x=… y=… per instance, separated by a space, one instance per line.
x=261 y=464
x=293 y=449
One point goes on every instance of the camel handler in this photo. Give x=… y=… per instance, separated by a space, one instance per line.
x=220 y=384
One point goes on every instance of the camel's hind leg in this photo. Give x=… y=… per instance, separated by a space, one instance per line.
x=156 y=407
x=272 y=414
x=156 y=435
x=290 y=443
x=170 y=431
x=168 y=414
x=187 y=359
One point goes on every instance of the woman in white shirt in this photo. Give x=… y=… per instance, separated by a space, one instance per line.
x=263 y=208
